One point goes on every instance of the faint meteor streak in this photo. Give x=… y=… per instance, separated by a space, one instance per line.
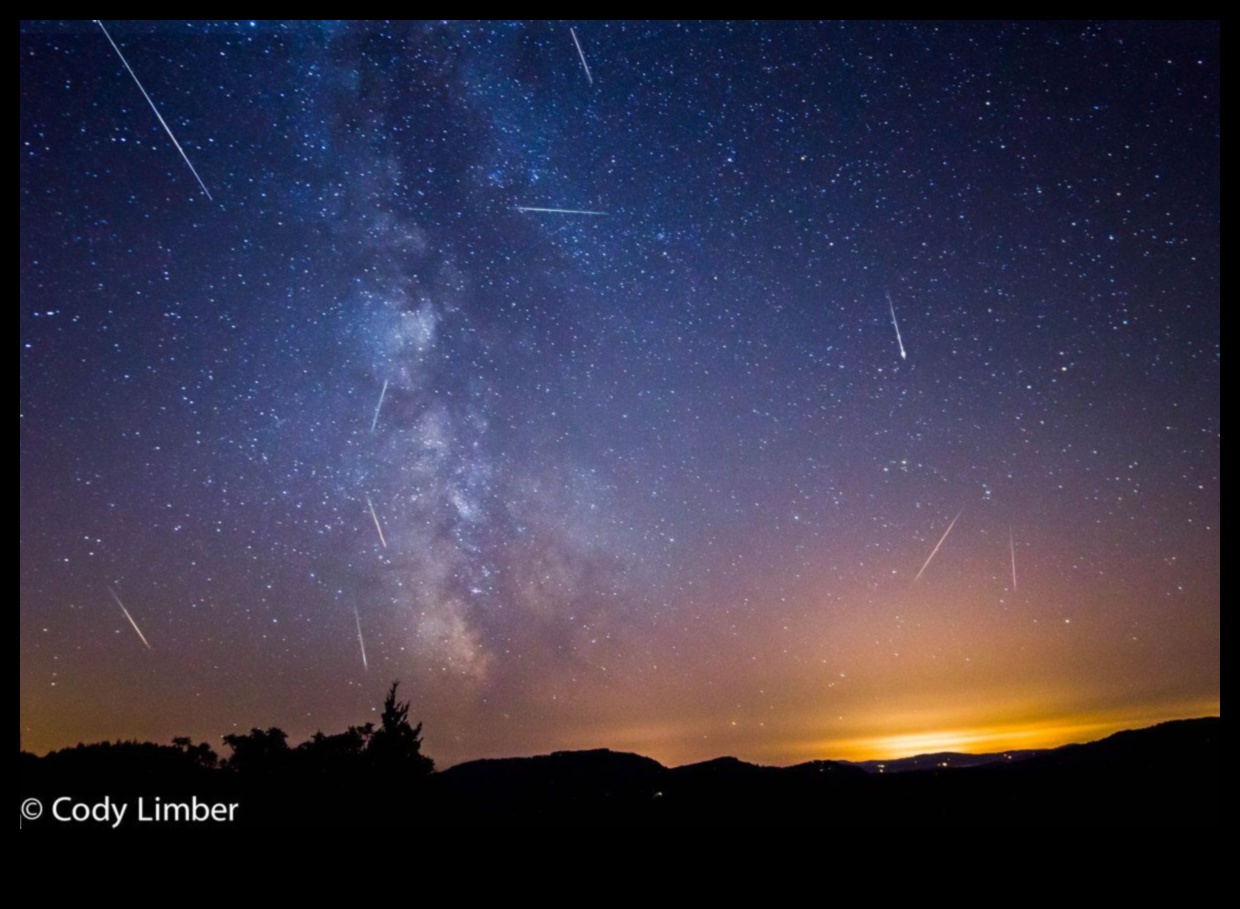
x=589 y=78
x=374 y=515
x=1012 y=547
x=939 y=544
x=360 y=643
x=158 y=115
x=899 y=340
x=559 y=211
x=128 y=616
x=375 y=421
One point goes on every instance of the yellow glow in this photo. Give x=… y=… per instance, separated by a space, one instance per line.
x=982 y=739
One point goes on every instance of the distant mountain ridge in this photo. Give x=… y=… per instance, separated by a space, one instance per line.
x=1164 y=776
x=945 y=759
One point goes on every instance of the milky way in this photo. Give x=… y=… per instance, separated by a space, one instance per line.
x=566 y=393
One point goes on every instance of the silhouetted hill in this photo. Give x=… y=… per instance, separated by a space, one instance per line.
x=1180 y=744
x=1165 y=776
x=942 y=760
x=566 y=787
x=841 y=770
x=560 y=771
x=728 y=792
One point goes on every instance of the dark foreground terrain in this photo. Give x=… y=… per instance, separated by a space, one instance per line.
x=1167 y=775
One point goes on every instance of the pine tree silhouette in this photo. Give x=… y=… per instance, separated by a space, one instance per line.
x=396 y=745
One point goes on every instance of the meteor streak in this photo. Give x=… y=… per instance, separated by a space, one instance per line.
x=360 y=643
x=589 y=78
x=1012 y=547
x=899 y=340
x=375 y=421
x=559 y=211
x=938 y=544
x=376 y=518
x=158 y=116
x=128 y=616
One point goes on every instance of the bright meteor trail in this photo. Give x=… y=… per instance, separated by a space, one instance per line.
x=158 y=116
x=899 y=340
x=589 y=78
x=559 y=211
x=371 y=505
x=1012 y=547
x=648 y=456
x=938 y=544
x=360 y=643
x=128 y=616
x=383 y=391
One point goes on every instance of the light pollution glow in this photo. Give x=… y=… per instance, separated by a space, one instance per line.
x=674 y=480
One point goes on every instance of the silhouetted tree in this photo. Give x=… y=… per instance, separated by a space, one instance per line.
x=397 y=745
x=201 y=754
x=261 y=751
x=336 y=752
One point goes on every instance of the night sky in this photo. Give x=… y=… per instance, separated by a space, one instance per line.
x=868 y=403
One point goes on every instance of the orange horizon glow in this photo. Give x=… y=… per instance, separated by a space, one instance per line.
x=890 y=735
x=998 y=737
x=902 y=735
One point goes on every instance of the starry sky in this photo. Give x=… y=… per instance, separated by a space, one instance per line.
x=865 y=402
